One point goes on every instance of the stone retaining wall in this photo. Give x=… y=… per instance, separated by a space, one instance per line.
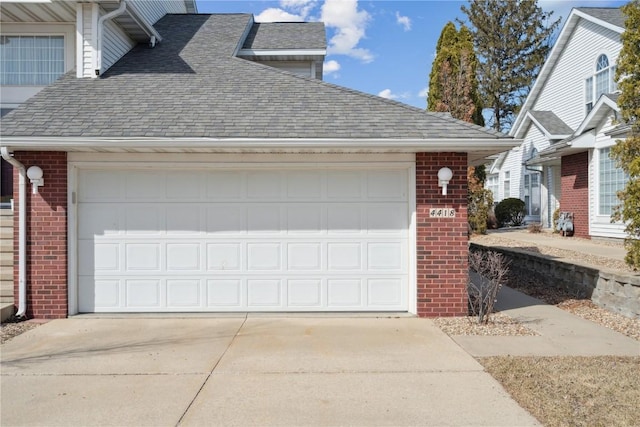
x=614 y=291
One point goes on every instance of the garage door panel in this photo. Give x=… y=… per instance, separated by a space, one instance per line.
x=226 y=219
x=182 y=293
x=264 y=185
x=143 y=219
x=100 y=186
x=264 y=293
x=264 y=257
x=142 y=293
x=184 y=219
x=261 y=240
x=304 y=293
x=387 y=185
x=304 y=256
x=224 y=256
x=98 y=219
x=385 y=292
x=304 y=185
x=142 y=256
x=145 y=185
x=225 y=293
x=264 y=218
x=183 y=257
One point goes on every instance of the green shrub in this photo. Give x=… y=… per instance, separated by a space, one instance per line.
x=510 y=212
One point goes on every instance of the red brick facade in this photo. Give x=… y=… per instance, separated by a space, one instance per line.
x=442 y=243
x=46 y=236
x=574 y=172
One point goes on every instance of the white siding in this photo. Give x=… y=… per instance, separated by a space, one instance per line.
x=89 y=42
x=153 y=10
x=115 y=44
x=564 y=90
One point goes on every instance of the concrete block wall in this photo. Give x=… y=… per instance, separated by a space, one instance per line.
x=442 y=243
x=619 y=293
x=574 y=172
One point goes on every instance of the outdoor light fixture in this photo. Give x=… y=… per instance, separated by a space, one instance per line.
x=444 y=176
x=35 y=175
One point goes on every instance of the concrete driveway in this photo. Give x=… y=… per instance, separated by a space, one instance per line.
x=248 y=370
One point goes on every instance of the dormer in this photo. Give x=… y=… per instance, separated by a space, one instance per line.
x=296 y=47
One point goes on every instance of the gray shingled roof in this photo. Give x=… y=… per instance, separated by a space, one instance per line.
x=552 y=123
x=608 y=14
x=289 y=35
x=190 y=85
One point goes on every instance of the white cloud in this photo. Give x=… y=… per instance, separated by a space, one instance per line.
x=405 y=21
x=349 y=24
x=277 y=15
x=386 y=93
x=303 y=7
x=424 y=92
x=331 y=67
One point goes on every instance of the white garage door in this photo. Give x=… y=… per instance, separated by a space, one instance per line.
x=283 y=239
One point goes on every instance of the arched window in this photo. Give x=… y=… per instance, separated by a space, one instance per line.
x=602 y=76
x=604 y=81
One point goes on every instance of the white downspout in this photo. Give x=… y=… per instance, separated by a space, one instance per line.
x=22 y=231
x=119 y=11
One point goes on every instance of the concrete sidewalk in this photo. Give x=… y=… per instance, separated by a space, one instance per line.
x=590 y=247
x=254 y=370
x=560 y=333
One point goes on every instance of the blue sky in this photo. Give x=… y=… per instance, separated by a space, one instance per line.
x=383 y=48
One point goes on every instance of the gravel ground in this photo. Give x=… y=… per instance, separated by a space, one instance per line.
x=10 y=330
x=499 y=325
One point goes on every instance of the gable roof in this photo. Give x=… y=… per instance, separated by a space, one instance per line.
x=611 y=18
x=289 y=35
x=190 y=91
x=552 y=126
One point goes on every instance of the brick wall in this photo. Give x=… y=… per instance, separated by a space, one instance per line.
x=574 y=172
x=442 y=243
x=46 y=236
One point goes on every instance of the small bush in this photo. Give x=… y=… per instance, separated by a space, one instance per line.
x=487 y=273
x=510 y=212
x=534 y=227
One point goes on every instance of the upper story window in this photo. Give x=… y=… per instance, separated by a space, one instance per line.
x=31 y=60
x=611 y=180
x=603 y=81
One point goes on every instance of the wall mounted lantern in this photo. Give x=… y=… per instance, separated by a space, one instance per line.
x=35 y=175
x=444 y=176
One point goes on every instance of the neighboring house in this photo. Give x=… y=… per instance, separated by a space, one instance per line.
x=568 y=124
x=188 y=177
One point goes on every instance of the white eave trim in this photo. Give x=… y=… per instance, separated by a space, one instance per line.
x=169 y=145
x=586 y=140
x=282 y=52
x=603 y=101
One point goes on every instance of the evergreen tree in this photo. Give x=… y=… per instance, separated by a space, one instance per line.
x=453 y=86
x=512 y=39
x=627 y=152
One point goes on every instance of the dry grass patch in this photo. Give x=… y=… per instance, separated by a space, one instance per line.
x=572 y=391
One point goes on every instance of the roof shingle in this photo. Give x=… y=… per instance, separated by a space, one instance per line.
x=190 y=85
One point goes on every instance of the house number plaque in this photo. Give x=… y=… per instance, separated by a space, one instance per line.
x=442 y=213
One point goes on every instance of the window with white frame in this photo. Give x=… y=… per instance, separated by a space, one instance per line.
x=611 y=180
x=31 y=60
x=492 y=185
x=507 y=184
x=603 y=81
